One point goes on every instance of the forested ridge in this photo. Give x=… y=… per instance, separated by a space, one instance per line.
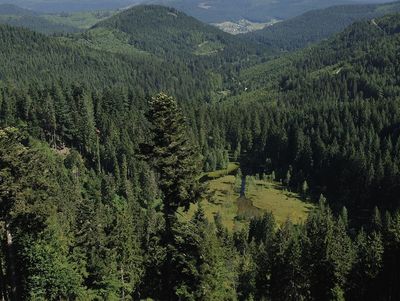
x=30 y=57
x=98 y=164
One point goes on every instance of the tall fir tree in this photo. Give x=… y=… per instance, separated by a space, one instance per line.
x=177 y=164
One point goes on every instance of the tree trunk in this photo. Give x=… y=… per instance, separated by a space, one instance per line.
x=168 y=242
x=123 y=284
x=3 y=286
x=12 y=277
x=98 y=153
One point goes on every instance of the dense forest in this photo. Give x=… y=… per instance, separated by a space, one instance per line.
x=102 y=150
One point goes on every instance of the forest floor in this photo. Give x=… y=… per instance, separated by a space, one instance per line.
x=261 y=197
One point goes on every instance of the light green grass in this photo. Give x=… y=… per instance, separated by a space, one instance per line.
x=232 y=167
x=261 y=197
x=223 y=201
x=208 y=48
x=82 y=20
x=110 y=40
x=272 y=197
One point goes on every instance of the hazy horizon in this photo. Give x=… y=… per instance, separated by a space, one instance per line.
x=192 y=7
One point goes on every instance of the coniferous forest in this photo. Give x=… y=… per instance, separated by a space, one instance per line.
x=111 y=137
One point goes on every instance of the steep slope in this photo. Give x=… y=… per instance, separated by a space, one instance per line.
x=20 y=17
x=317 y=25
x=360 y=62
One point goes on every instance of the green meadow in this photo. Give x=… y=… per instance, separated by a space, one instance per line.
x=261 y=196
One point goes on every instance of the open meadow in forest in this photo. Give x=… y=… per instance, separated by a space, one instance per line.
x=261 y=196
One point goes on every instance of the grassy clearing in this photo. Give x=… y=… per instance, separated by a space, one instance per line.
x=208 y=48
x=110 y=40
x=261 y=197
x=82 y=20
x=272 y=197
x=232 y=167
x=223 y=201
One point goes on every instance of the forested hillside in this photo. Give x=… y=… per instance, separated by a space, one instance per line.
x=170 y=33
x=98 y=164
x=316 y=25
x=29 y=57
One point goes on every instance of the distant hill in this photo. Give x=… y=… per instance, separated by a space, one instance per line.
x=210 y=11
x=20 y=17
x=82 y=20
x=216 y=11
x=317 y=25
x=167 y=32
x=58 y=6
x=11 y=9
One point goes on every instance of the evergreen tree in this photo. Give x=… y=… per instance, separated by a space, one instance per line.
x=329 y=250
x=172 y=155
x=216 y=277
x=376 y=221
x=287 y=274
x=304 y=189
x=176 y=162
x=39 y=246
x=367 y=267
x=238 y=181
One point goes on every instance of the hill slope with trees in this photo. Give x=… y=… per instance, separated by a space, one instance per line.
x=30 y=57
x=168 y=32
x=316 y=25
